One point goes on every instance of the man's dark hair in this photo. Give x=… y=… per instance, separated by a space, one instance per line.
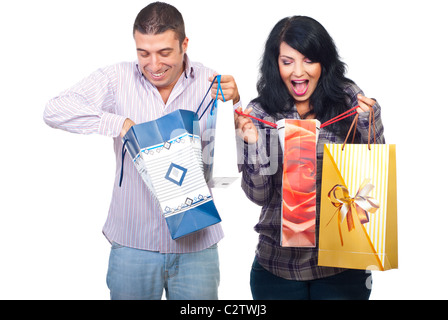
x=158 y=17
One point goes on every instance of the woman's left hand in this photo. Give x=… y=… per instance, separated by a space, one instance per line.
x=364 y=103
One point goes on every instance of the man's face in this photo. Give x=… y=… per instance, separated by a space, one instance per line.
x=160 y=57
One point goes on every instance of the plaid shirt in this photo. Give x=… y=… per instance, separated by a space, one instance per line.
x=261 y=167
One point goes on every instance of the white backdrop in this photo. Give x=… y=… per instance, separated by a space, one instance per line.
x=56 y=186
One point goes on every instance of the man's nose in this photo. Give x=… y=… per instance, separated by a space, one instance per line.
x=154 y=62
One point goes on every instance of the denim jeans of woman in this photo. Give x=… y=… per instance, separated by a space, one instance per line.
x=348 y=285
x=144 y=275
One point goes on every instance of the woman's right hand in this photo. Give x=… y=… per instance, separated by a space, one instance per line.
x=244 y=126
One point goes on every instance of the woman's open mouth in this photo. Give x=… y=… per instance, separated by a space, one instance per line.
x=300 y=87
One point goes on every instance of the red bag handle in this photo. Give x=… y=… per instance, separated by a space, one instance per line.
x=344 y=115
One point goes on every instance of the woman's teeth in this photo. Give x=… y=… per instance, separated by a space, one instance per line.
x=300 y=87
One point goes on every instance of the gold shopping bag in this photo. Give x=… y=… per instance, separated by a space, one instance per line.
x=358 y=214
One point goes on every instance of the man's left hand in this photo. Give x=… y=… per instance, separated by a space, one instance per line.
x=229 y=88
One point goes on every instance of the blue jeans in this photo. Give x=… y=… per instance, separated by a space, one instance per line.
x=143 y=275
x=348 y=285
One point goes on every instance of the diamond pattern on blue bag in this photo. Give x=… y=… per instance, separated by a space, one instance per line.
x=176 y=174
x=167 y=145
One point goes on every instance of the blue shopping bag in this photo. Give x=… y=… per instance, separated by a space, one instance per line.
x=167 y=152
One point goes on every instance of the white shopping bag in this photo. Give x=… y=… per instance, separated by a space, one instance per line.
x=221 y=151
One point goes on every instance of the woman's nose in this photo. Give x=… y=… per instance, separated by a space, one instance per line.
x=299 y=70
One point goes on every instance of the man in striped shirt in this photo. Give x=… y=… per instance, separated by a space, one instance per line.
x=144 y=260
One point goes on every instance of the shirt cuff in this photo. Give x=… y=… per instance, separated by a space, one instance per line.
x=111 y=125
x=364 y=116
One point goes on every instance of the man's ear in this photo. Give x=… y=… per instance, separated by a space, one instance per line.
x=184 y=45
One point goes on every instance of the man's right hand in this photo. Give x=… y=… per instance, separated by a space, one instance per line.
x=128 y=123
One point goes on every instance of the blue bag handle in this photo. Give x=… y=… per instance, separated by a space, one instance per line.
x=215 y=101
x=123 y=153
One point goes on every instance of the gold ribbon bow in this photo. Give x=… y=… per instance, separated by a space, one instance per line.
x=340 y=198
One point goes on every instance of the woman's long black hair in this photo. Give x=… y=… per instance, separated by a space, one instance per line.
x=310 y=38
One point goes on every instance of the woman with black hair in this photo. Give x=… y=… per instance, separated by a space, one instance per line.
x=301 y=77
